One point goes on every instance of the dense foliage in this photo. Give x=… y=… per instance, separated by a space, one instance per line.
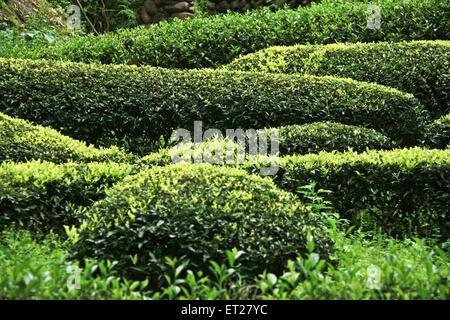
x=22 y=141
x=42 y=270
x=363 y=167
x=437 y=133
x=421 y=68
x=134 y=107
x=42 y=195
x=197 y=212
x=216 y=40
x=328 y=136
x=295 y=139
x=417 y=67
x=408 y=270
x=276 y=59
x=403 y=192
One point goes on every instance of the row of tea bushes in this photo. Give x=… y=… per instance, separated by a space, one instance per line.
x=197 y=212
x=437 y=133
x=217 y=40
x=403 y=191
x=417 y=67
x=44 y=196
x=144 y=216
x=388 y=186
x=134 y=106
x=21 y=140
x=295 y=139
x=328 y=136
x=194 y=212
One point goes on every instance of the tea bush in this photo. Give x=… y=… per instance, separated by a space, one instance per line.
x=328 y=136
x=420 y=68
x=417 y=67
x=43 y=196
x=21 y=140
x=133 y=107
x=295 y=139
x=437 y=133
x=195 y=213
x=403 y=192
x=216 y=40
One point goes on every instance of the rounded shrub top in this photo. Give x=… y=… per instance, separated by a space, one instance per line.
x=21 y=141
x=329 y=136
x=277 y=59
x=294 y=139
x=106 y=105
x=417 y=67
x=197 y=212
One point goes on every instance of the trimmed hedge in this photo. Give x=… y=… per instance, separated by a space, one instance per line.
x=403 y=191
x=417 y=67
x=295 y=139
x=329 y=136
x=421 y=68
x=133 y=107
x=437 y=134
x=217 y=40
x=21 y=141
x=277 y=59
x=43 y=196
x=197 y=212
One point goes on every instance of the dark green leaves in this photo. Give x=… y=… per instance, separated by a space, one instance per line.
x=134 y=107
x=197 y=220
